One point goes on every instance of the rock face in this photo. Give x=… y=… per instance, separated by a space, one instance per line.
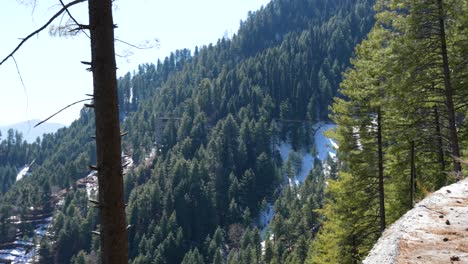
x=435 y=231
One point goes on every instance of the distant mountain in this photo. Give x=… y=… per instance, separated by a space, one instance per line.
x=30 y=133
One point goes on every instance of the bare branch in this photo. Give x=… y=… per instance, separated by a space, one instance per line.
x=29 y=3
x=41 y=28
x=81 y=27
x=34 y=7
x=460 y=160
x=144 y=46
x=22 y=82
x=72 y=104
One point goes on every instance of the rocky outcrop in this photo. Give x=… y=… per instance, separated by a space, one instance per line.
x=435 y=231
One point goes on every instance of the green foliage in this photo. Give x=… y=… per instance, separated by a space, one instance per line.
x=193 y=257
x=72 y=228
x=296 y=221
x=14 y=154
x=399 y=88
x=45 y=251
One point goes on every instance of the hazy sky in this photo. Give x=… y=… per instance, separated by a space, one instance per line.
x=50 y=66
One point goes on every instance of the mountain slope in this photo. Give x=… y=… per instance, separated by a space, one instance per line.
x=214 y=120
x=202 y=133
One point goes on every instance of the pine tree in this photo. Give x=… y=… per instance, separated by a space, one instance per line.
x=397 y=103
x=358 y=196
x=193 y=257
x=423 y=52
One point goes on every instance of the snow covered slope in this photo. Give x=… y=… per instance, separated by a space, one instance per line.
x=22 y=172
x=324 y=147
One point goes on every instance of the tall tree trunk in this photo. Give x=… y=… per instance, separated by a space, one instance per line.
x=448 y=90
x=114 y=245
x=381 y=171
x=413 y=176
x=440 y=147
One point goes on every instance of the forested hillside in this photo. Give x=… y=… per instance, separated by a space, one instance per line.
x=203 y=155
x=14 y=153
x=214 y=121
x=202 y=130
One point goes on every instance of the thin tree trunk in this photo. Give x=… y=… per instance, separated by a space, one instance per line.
x=113 y=232
x=381 y=171
x=413 y=176
x=448 y=91
x=440 y=147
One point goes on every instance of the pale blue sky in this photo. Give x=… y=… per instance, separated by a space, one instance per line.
x=51 y=68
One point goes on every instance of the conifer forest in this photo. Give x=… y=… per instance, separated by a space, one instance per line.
x=299 y=139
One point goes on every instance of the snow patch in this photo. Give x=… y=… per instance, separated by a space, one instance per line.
x=357 y=137
x=284 y=149
x=130 y=100
x=324 y=146
x=272 y=236
x=306 y=166
x=127 y=162
x=92 y=184
x=25 y=250
x=326 y=170
x=22 y=172
x=266 y=215
x=152 y=154
x=333 y=144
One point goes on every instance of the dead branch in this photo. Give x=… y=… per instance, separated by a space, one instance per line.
x=141 y=47
x=460 y=160
x=81 y=27
x=22 y=82
x=41 y=28
x=72 y=104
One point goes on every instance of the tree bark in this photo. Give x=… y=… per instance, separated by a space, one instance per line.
x=381 y=171
x=412 y=177
x=440 y=147
x=448 y=91
x=113 y=232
